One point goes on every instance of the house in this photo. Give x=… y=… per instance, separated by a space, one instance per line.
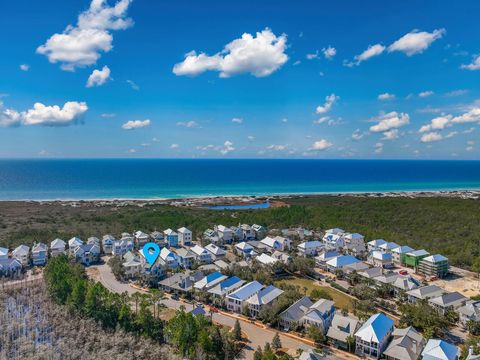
x=171 y=237
x=424 y=293
x=184 y=236
x=357 y=267
x=244 y=249
x=339 y=262
x=121 y=247
x=278 y=243
x=259 y=230
x=107 y=244
x=211 y=236
x=237 y=233
x=202 y=256
x=354 y=243
x=402 y=284
x=335 y=231
x=433 y=265
x=340 y=330
x=224 y=234
x=440 y=350
x=310 y=354
x=387 y=278
x=215 y=251
x=375 y=244
x=57 y=247
x=310 y=248
x=381 y=259
x=285 y=258
x=221 y=265
x=469 y=312
x=226 y=287
x=237 y=299
x=413 y=258
x=265 y=259
x=132 y=265
x=448 y=301
x=265 y=296
x=39 y=254
x=180 y=282
x=306 y=313
x=247 y=232
x=209 y=281
x=167 y=258
x=198 y=311
x=388 y=247
x=186 y=258
x=321 y=260
x=333 y=241
x=10 y=267
x=407 y=344
x=21 y=253
x=87 y=254
x=373 y=336
x=472 y=354
x=73 y=243
x=93 y=240
x=371 y=273
x=158 y=238
x=141 y=238
x=399 y=253
x=3 y=253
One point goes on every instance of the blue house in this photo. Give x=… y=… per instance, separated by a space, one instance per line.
x=171 y=237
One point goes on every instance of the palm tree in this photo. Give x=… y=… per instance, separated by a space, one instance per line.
x=157 y=296
x=137 y=297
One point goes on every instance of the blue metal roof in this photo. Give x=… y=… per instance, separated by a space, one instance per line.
x=247 y=290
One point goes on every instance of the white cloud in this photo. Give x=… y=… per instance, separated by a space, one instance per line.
x=469 y=148
x=328 y=120
x=471 y=116
x=320 y=145
x=43 y=153
x=431 y=136
x=451 y=134
x=386 y=96
x=437 y=123
x=468 y=131
x=82 y=45
x=174 y=146
x=284 y=120
x=357 y=135
x=416 y=42
x=260 y=56
x=470 y=142
x=24 y=67
x=237 y=120
x=227 y=147
x=378 y=148
x=40 y=114
x=251 y=138
x=474 y=65
x=133 y=85
x=329 y=52
x=424 y=94
x=372 y=51
x=327 y=106
x=131 y=151
x=188 y=124
x=277 y=147
x=108 y=115
x=458 y=92
x=98 y=77
x=390 y=134
x=136 y=124
x=298 y=62
x=312 y=56
x=391 y=120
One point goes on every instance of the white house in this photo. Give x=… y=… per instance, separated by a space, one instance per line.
x=39 y=254
x=310 y=248
x=57 y=247
x=87 y=254
x=73 y=243
x=265 y=259
x=321 y=260
x=247 y=232
x=440 y=350
x=333 y=241
x=244 y=249
x=107 y=243
x=339 y=262
x=186 y=258
x=397 y=253
x=93 y=240
x=354 y=242
x=10 y=267
x=3 y=253
x=407 y=344
x=224 y=233
x=21 y=253
x=278 y=243
x=209 y=281
x=264 y=297
x=469 y=312
x=215 y=251
x=202 y=255
x=381 y=259
x=171 y=237
x=184 y=236
x=375 y=244
x=373 y=336
x=388 y=247
x=237 y=299
x=167 y=258
x=121 y=247
x=141 y=238
x=132 y=265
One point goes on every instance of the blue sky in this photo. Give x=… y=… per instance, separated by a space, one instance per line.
x=344 y=79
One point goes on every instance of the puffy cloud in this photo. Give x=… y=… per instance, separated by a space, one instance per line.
x=386 y=96
x=9 y=117
x=108 y=115
x=227 y=147
x=237 y=120
x=136 y=124
x=329 y=52
x=174 y=146
x=24 y=67
x=260 y=56
x=378 y=148
x=390 y=134
x=458 y=92
x=98 y=77
x=328 y=120
x=424 y=94
x=251 y=138
x=133 y=85
x=474 y=65
x=372 y=51
x=437 y=123
x=312 y=56
x=416 y=42
x=82 y=45
x=471 y=116
x=277 y=147
x=327 y=106
x=188 y=124
x=431 y=136
x=320 y=145
x=391 y=120
x=357 y=135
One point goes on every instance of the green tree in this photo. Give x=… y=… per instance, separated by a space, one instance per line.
x=237 y=331
x=276 y=342
x=258 y=355
x=316 y=335
x=319 y=293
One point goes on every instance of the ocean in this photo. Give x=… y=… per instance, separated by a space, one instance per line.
x=169 y=178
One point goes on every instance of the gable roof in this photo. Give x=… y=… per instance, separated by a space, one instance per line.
x=21 y=250
x=215 y=250
x=39 y=247
x=197 y=249
x=407 y=344
x=448 y=299
x=183 y=230
x=297 y=309
x=440 y=349
x=376 y=328
x=244 y=246
x=231 y=283
x=403 y=249
x=265 y=296
x=376 y=242
x=342 y=327
x=57 y=244
x=435 y=258
x=246 y=291
x=210 y=280
x=342 y=260
x=310 y=244
x=266 y=259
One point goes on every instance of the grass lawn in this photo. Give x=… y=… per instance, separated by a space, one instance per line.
x=166 y=313
x=341 y=300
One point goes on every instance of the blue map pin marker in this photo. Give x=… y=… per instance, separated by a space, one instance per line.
x=151 y=252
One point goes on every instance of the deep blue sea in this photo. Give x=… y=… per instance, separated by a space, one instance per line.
x=160 y=178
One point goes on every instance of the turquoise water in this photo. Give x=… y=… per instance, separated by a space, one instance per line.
x=264 y=205
x=160 y=178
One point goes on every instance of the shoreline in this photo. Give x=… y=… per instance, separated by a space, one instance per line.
x=209 y=200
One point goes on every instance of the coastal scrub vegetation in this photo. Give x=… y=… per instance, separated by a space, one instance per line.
x=448 y=226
